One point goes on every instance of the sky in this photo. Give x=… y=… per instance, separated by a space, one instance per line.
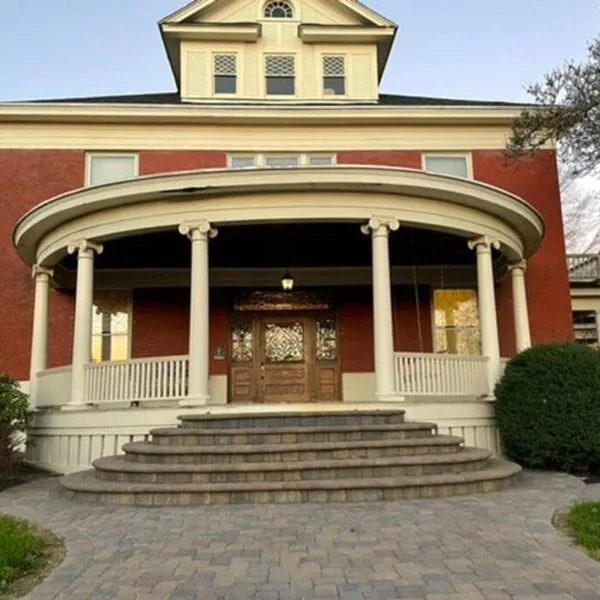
x=481 y=49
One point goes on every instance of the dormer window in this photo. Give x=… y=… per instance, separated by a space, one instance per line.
x=334 y=75
x=279 y=10
x=281 y=74
x=225 y=69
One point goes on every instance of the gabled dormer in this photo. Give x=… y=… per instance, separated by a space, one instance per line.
x=290 y=51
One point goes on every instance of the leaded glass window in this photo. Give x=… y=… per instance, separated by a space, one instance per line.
x=326 y=339
x=457 y=328
x=284 y=343
x=281 y=74
x=279 y=10
x=225 y=70
x=110 y=327
x=242 y=340
x=334 y=75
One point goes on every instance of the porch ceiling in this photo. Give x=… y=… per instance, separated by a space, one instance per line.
x=327 y=194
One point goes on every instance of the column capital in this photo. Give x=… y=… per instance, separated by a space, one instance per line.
x=201 y=230
x=377 y=224
x=83 y=247
x=484 y=242
x=520 y=265
x=39 y=271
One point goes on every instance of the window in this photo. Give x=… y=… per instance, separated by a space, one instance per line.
x=281 y=75
x=110 y=327
x=279 y=10
x=225 y=69
x=586 y=330
x=334 y=76
x=447 y=165
x=107 y=168
x=280 y=161
x=456 y=317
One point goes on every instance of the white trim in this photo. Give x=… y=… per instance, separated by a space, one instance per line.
x=90 y=156
x=468 y=156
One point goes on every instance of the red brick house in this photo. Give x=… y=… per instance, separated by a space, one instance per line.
x=370 y=247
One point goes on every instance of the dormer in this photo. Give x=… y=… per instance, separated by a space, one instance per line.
x=281 y=51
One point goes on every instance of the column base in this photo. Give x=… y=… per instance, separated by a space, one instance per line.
x=389 y=397
x=194 y=402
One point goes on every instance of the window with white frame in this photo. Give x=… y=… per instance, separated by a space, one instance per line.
x=456 y=320
x=280 y=161
x=456 y=165
x=280 y=72
x=225 y=73
x=111 y=326
x=107 y=168
x=279 y=10
x=334 y=75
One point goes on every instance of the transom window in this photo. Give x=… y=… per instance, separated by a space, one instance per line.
x=279 y=10
x=280 y=161
x=225 y=73
x=110 y=327
x=457 y=165
x=334 y=75
x=457 y=328
x=281 y=74
x=108 y=168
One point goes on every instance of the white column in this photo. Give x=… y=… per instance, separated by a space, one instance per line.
x=522 y=332
x=379 y=228
x=84 y=301
x=39 y=336
x=198 y=390
x=490 y=344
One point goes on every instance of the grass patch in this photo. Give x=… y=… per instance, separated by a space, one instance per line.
x=27 y=554
x=584 y=523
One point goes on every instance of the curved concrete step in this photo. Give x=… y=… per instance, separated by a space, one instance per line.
x=152 y=453
x=179 y=436
x=117 y=468
x=358 y=417
x=495 y=476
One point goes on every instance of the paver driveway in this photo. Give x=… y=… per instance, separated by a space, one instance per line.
x=486 y=547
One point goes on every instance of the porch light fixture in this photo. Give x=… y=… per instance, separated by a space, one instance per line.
x=288 y=282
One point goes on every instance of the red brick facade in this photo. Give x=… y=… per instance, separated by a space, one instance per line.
x=160 y=324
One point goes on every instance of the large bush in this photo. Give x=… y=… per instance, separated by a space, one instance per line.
x=14 y=419
x=548 y=408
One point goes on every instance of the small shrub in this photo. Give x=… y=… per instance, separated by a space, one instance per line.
x=548 y=408
x=21 y=551
x=15 y=416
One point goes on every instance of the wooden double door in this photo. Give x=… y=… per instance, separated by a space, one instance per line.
x=284 y=359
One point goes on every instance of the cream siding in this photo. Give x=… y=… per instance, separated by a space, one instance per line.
x=196 y=74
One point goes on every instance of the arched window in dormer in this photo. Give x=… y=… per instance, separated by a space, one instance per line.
x=279 y=10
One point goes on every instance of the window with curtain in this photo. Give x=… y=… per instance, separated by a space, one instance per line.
x=108 y=168
x=447 y=165
x=456 y=316
x=111 y=327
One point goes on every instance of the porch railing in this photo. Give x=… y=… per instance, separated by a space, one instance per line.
x=53 y=387
x=440 y=375
x=138 y=380
x=583 y=267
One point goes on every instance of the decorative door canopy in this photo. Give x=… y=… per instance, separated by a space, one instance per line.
x=282 y=301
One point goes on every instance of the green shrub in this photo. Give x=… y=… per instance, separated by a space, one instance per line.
x=15 y=416
x=21 y=551
x=548 y=408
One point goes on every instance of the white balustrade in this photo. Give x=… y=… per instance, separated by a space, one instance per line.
x=440 y=375
x=138 y=380
x=53 y=387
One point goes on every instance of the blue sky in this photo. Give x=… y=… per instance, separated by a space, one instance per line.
x=482 y=49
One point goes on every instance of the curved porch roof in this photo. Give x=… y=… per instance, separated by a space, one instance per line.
x=225 y=196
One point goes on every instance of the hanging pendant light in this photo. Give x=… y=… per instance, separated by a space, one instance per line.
x=288 y=282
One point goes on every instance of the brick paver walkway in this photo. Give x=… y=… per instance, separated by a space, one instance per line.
x=484 y=547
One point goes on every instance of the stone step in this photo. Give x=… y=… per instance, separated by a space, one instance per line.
x=270 y=420
x=117 y=468
x=497 y=475
x=145 y=452
x=289 y=435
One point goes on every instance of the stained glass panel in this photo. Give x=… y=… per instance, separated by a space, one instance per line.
x=326 y=339
x=242 y=342
x=457 y=322
x=284 y=343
